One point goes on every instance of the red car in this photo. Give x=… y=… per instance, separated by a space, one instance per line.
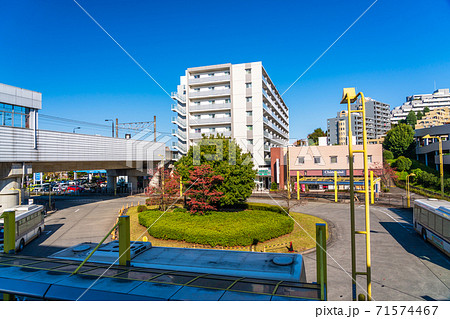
x=75 y=189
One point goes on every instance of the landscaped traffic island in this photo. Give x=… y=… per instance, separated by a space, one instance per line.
x=265 y=227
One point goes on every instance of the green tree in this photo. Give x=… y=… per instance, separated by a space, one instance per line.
x=387 y=155
x=426 y=110
x=314 y=136
x=411 y=119
x=419 y=115
x=403 y=164
x=235 y=168
x=400 y=140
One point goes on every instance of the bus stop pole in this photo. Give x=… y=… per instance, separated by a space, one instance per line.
x=124 y=240
x=321 y=259
x=335 y=187
x=298 y=185
x=372 y=196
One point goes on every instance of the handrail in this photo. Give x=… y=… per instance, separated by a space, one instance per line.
x=93 y=251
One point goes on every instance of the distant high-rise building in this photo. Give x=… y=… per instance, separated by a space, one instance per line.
x=436 y=117
x=439 y=98
x=235 y=100
x=377 y=123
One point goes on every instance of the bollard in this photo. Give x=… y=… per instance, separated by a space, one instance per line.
x=361 y=297
x=124 y=240
x=321 y=259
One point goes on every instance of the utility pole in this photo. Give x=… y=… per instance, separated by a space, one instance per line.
x=117 y=127
x=154 y=128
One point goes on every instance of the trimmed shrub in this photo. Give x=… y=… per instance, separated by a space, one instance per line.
x=387 y=155
x=403 y=164
x=274 y=186
x=141 y=208
x=241 y=228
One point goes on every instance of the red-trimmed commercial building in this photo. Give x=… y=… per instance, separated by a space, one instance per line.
x=322 y=161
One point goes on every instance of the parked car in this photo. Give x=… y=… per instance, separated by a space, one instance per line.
x=75 y=189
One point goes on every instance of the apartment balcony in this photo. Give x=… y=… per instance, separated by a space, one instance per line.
x=210 y=79
x=275 y=117
x=181 y=98
x=275 y=139
x=209 y=93
x=177 y=108
x=210 y=107
x=199 y=136
x=180 y=147
x=266 y=148
x=274 y=127
x=179 y=121
x=275 y=95
x=275 y=106
x=209 y=121
x=179 y=134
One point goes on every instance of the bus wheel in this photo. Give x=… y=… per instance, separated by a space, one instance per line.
x=39 y=232
x=21 y=245
x=424 y=235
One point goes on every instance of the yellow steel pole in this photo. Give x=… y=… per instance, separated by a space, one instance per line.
x=9 y=239
x=335 y=187
x=441 y=165
x=288 y=175
x=367 y=204
x=321 y=259
x=124 y=240
x=181 y=187
x=298 y=185
x=372 y=195
x=352 y=198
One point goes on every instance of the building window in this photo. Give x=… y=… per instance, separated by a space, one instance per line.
x=227 y=72
x=227 y=86
x=333 y=159
x=249 y=127
x=196 y=76
x=227 y=101
x=248 y=71
x=248 y=85
x=301 y=160
x=197 y=89
x=228 y=128
x=212 y=116
x=316 y=159
x=212 y=130
x=228 y=114
x=197 y=130
x=249 y=113
x=210 y=74
x=248 y=99
x=369 y=158
x=212 y=102
x=250 y=142
x=197 y=103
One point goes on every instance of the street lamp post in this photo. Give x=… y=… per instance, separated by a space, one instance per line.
x=162 y=179
x=408 y=197
x=112 y=127
x=76 y=128
x=441 y=161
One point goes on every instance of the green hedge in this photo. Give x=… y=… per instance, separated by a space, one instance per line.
x=221 y=228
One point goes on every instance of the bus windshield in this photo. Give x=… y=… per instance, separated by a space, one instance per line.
x=1 y=232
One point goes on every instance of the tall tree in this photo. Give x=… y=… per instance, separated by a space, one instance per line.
x=411 y=119
x=419 y=115
x=426 y=110
x=167 y=190
x=314 y=136
x=226 y=159
x=400 y=140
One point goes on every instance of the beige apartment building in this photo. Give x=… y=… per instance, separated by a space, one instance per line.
x=322 y=161
x=436 y=117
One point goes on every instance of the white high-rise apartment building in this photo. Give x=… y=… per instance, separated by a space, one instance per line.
x=236 y=100
x=438 y=99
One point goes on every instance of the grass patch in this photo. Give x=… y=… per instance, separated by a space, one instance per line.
x=301 y=241
x=227 y=229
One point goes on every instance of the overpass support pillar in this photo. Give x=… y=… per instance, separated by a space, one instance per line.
x=9 y=194
x=134 y=182
x=111 y=182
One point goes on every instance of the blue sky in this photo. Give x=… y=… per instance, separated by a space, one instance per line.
x=397 y=49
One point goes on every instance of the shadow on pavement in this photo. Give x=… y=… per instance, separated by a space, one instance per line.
x=414 y=244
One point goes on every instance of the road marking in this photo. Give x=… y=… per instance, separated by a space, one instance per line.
x=77 y=210
x=48 y=232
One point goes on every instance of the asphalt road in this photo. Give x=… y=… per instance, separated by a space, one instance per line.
x=404 y=267
x=77 y=220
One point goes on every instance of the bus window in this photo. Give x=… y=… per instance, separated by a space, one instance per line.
x=1 y=232
x=424 y=217
x=446 y=229
x=439 y=225
x=431 y=218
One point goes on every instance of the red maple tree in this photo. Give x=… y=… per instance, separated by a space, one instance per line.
x=202 y=192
